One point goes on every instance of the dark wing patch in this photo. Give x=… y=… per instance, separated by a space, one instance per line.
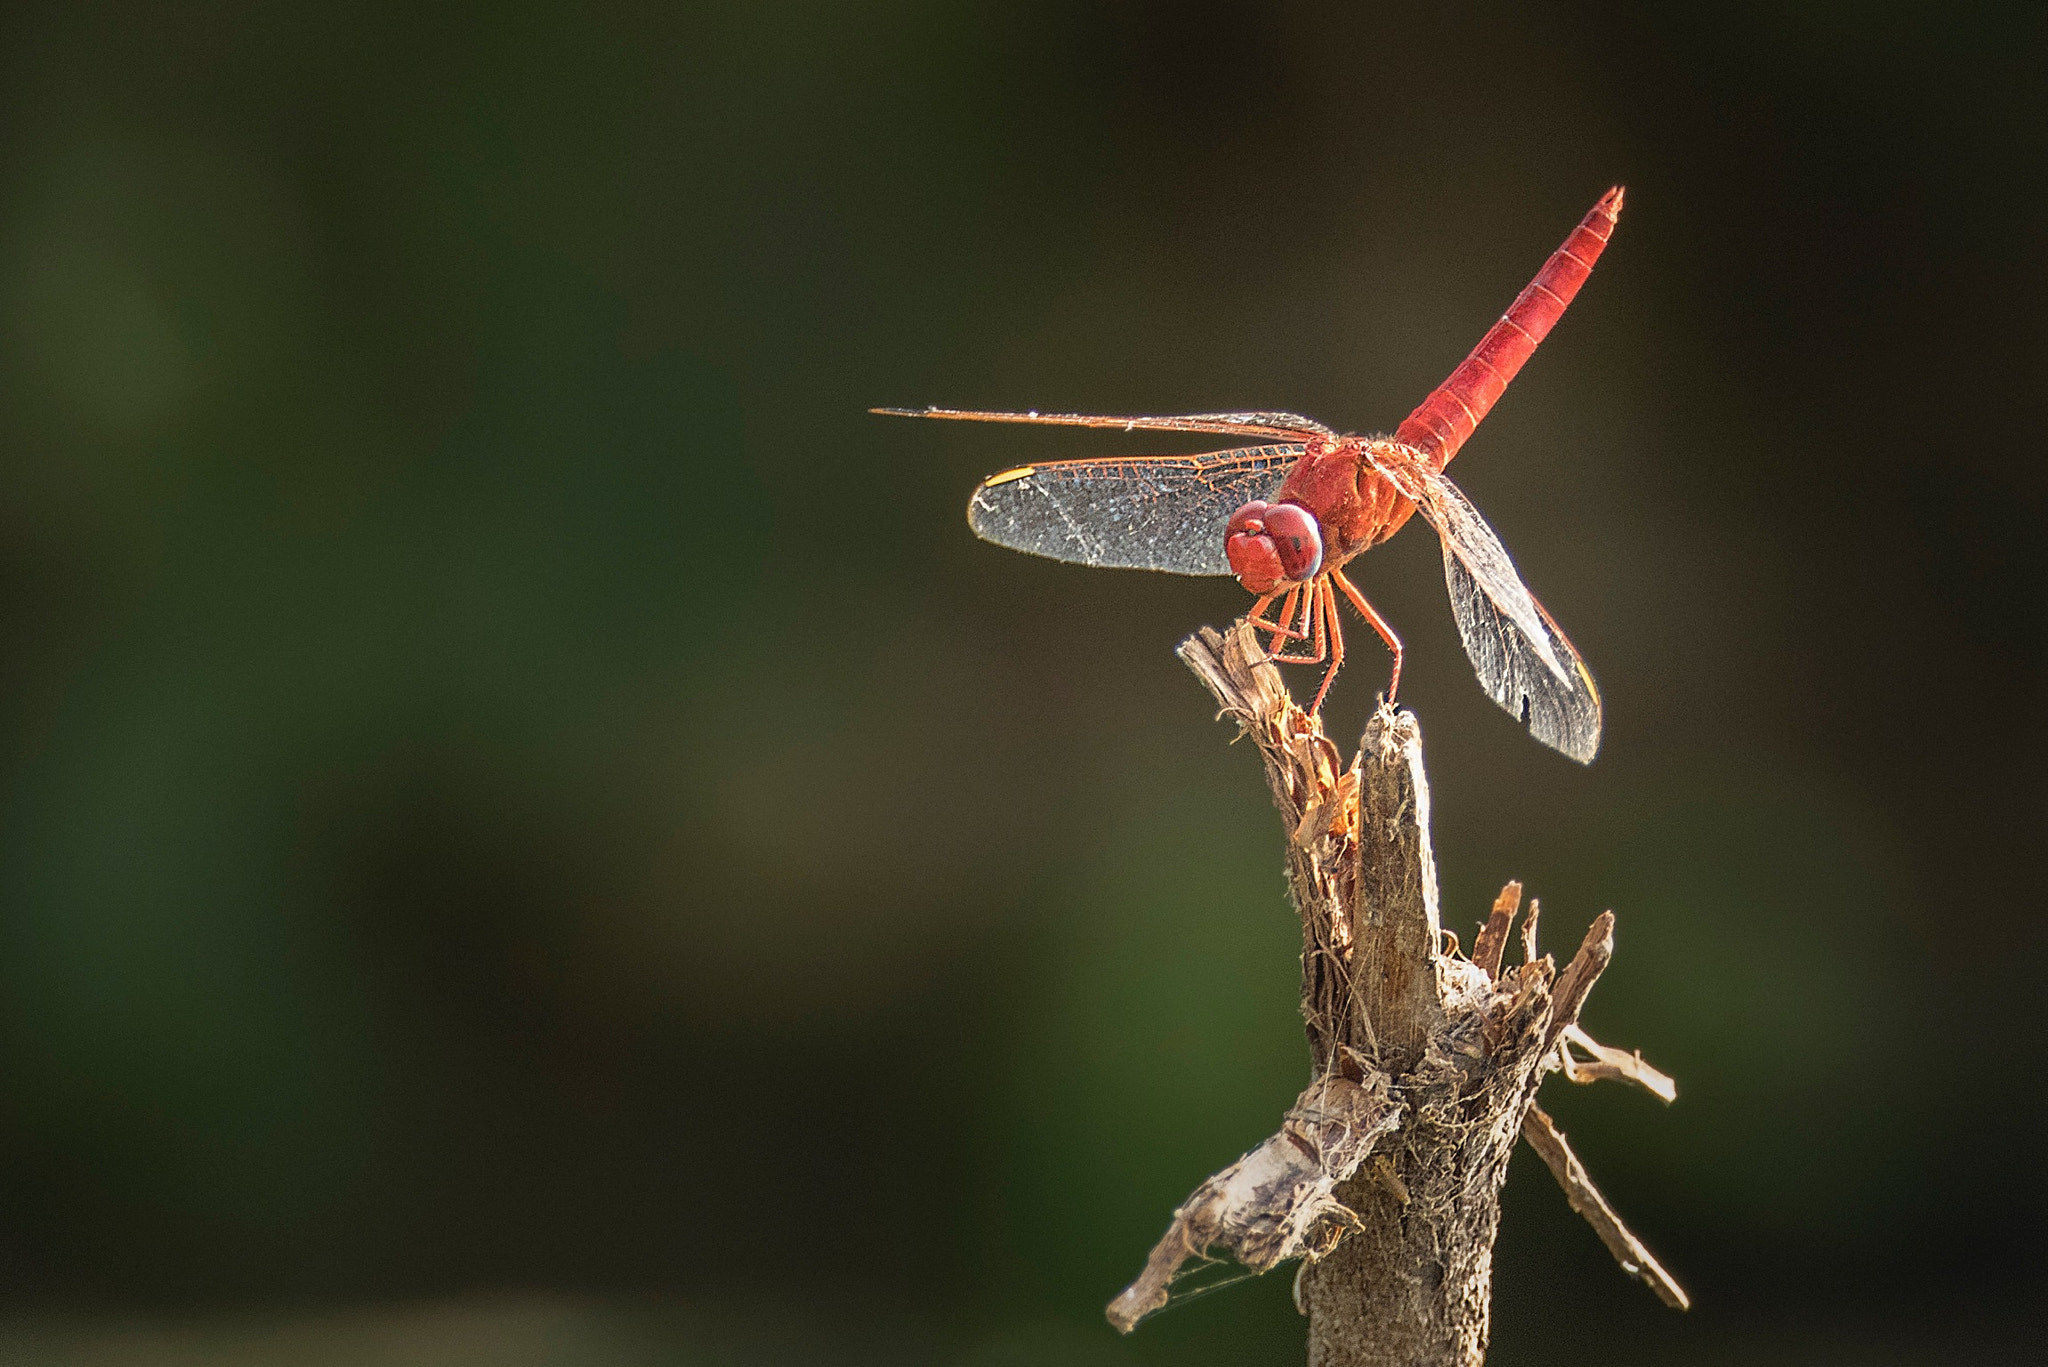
x=1144 y=513
x=1563 y=713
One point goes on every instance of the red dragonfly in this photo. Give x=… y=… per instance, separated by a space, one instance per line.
x=1287 y=515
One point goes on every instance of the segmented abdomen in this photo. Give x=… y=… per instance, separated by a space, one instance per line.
x=1448 y=416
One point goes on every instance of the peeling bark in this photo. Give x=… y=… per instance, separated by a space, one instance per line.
x=1277 y=1202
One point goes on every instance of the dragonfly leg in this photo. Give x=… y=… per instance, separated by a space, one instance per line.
x=1311 y=629
x=1379 y=624
x=1280 y=629
x=1332 y=631
x=1285 y=617
x=1259 y=623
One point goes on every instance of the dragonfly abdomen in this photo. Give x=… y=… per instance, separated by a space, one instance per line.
x=1447 y=418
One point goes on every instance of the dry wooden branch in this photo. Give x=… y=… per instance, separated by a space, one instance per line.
x=1577 y=980
x=1616 y=1065
x=1385 y=1177
x=1544 y=1137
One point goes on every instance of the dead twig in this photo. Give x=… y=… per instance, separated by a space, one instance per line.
x=1616 y=1065
x=1579 y=975
x=1544 y=1137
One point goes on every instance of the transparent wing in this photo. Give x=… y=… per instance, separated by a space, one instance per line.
x=1466 y=537
x=1523 y=661
x=1282 y=426
x=1140 y=513
x=1563 y=713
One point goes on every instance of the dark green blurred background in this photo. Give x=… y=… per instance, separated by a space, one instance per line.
x=533 y=833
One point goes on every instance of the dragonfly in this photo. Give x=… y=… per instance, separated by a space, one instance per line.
x=1286 y=513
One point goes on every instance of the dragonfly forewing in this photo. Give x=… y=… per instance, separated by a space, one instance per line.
x=1272 y=426
x=1143 y=513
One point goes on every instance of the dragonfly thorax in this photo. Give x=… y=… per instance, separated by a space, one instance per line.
x=1270 y=544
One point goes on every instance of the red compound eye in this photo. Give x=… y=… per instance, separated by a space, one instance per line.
x=1249 y=519
x=1297 y=539
x=1270 y=544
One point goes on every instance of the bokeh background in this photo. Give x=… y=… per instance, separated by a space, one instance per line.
x=533 y=834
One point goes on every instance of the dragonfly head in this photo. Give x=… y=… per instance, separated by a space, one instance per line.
x=1270 y=544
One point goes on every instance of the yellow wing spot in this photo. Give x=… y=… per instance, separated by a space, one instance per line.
x=1587 y=676
x=1006 y=476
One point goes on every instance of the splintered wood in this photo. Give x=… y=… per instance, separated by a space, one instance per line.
x=1384 y=1178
